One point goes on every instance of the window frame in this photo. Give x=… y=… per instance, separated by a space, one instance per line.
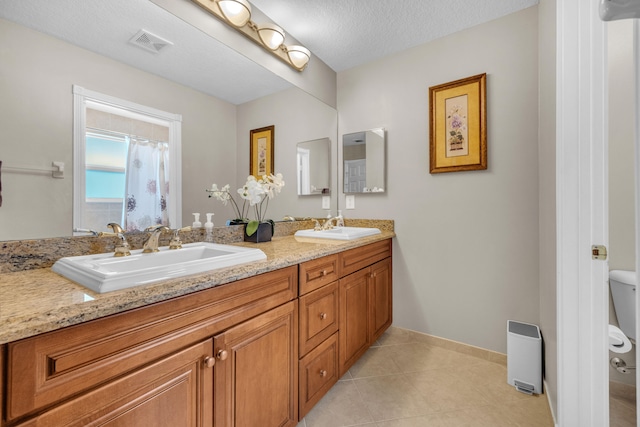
x=82 y=97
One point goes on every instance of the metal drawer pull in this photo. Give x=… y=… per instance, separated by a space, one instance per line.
x=209 y=362
x=222 y=355
x=323 y=373
x=323 y=316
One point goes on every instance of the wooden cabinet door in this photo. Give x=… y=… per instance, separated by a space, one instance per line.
x=380 y=298
x=256 y=374
x=354 y=313
x=174 y=391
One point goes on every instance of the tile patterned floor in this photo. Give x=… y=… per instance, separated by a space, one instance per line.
x=622 y=405
x=404 y=380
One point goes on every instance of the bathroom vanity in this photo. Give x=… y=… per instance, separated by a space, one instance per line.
x=257 y=345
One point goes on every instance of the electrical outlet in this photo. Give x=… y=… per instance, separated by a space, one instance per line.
x=350 y=202
x=326 y=202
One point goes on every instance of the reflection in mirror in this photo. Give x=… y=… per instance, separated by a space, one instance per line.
x=363 y=154
x=37 y=104
x=128 y=158
x=314 y=167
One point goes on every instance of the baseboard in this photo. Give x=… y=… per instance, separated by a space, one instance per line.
x=471 y=350
x=551 y=407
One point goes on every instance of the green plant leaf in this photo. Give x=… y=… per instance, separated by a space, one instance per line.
x=252 y=227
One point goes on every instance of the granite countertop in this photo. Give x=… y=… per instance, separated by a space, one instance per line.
x=39 y=300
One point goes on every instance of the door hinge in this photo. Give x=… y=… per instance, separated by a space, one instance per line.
x=599 y=252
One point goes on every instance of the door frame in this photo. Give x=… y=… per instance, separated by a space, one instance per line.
x=636 y=60
x=582 y=215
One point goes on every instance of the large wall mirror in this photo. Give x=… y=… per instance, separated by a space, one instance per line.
x=314 y=167
x=363 y=155
x=38 y=101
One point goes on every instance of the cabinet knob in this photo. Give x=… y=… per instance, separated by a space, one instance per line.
x=323 y=316
x=209 y=362
x=323 y=373
x=324 y=272
x=222 y=355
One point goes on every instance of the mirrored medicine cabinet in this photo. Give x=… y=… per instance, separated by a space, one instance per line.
x=364 y=162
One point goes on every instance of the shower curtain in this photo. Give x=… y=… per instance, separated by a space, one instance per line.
x=147 y=184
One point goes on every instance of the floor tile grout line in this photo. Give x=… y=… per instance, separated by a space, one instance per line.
x=362 y=400
x=488 y=403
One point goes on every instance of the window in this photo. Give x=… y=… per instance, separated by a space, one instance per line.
x=126 y=162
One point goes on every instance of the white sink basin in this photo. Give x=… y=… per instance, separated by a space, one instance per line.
x=339 y=233
x=105 y=272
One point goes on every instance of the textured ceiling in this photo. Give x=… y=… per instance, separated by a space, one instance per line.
x=343 y=33
x=347 y=33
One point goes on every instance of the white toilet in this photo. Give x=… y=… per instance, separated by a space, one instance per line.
x=623 y=291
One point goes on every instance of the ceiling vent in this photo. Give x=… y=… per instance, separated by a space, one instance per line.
x=149 y=41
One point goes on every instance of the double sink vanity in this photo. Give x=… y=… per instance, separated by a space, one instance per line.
x=255 y=343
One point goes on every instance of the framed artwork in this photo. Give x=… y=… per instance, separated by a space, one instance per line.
x=458 y=125
x=261 y=152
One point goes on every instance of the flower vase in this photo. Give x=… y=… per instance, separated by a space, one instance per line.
x=264 y=233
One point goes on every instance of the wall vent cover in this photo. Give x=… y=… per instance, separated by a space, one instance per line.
x=149 y=41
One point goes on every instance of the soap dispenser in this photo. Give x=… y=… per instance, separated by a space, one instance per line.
x=196 y=222
x=208 y=226
x=340 y=220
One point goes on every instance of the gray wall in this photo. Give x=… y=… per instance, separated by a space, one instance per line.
x=547 y=193
x=621 y=146
x=36 y=109
x=621 y=164
x=466 y=253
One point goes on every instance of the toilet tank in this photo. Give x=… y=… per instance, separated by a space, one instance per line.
x=623 y=291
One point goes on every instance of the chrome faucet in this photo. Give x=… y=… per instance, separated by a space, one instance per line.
x=151 y=245
x=175 y=242
x=123 y=248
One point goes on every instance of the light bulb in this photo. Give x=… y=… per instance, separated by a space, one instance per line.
x=271 y=36
x=236 y=12
x=299 y=56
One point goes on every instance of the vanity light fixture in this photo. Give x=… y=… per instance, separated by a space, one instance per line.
x=237 y=13
x=271 y=36
x=299 y=56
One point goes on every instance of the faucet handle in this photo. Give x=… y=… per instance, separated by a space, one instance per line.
x=123 y=248
x=86 y=230
x=175 y=242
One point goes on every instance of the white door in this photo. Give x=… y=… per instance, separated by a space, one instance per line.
x=304 y=171
x=355 y=176
x=636 y=55
x=582 y=215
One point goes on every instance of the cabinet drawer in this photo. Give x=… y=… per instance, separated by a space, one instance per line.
x=170 y=392
x=51 y=367
x=318 y=316
x=316 y=273
x=318 y=373
x=358 y=258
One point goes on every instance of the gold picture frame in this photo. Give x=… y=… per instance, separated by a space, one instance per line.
x=261 y=151
x=458 y=125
